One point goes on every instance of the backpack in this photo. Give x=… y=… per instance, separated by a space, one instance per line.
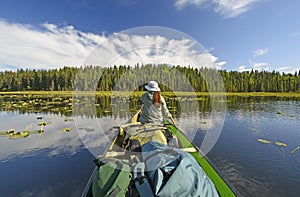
x=175 y=173
x=137 y=134
x=112 y=179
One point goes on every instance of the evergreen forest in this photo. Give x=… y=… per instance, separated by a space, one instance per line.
x=124 y=78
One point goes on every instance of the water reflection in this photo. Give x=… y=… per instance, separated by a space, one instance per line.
x=52 y=138
x=257 y=168
x=254 y=168
x=247 y=186
x=102 y=104
x=52 y=162
x=92 y=116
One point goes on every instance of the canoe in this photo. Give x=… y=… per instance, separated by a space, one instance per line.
x=222 y=185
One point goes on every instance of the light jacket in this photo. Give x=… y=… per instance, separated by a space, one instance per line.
x=151 y=113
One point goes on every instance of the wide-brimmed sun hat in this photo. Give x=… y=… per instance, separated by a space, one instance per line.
x=152 y=86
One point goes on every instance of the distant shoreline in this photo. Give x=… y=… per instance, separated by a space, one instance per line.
x=139 y=93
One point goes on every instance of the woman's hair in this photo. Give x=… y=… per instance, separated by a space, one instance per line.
x=156 y=99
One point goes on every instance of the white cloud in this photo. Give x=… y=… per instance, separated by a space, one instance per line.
x=288 y=69
x=220 y=64
x=262 y=66
x=233 y=8
x=243 y=68
x=50 y=46
x=226 y=8
x=260 y=52
x=259 y=66
x=129 y=49
x=47 y=47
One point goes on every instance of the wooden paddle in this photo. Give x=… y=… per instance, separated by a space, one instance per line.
x=173 y=121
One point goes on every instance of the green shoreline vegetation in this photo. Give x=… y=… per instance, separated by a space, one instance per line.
x=127 y=78
x=139 y=93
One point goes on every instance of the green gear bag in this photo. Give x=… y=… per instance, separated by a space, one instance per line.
x=112 y=179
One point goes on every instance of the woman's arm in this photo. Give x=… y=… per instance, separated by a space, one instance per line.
x=164 y=109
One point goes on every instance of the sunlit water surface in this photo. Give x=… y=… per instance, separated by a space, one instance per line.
x=58 y=163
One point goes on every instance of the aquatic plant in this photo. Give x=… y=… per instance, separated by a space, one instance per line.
x=44 y=123
x=19 y=135
x=281 y=113
x=294 y=150
x=280 y=144
x=264 y=141
x=66 y=129
x=69 y=119
x=10 y=131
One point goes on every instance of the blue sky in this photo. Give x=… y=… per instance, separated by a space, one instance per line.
x=238 y=34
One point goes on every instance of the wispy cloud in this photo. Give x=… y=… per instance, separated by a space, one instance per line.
x=127 y=49
x=263 y=66
x=226 y=8
x=244 y=68
x=180 y=4
x=51 y=46
x=233 y=8
x=48 y=46
x=288 y=69
x=260 y=52
x=259 y=66
x=220 y=64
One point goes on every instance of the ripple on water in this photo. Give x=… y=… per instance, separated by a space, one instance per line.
x=244 y=183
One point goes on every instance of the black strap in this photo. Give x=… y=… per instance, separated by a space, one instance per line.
x=115 y=192
x=140 y=179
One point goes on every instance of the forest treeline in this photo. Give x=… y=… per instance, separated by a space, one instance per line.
x=175 y=78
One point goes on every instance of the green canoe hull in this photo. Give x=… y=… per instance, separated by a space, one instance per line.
x=222 y=185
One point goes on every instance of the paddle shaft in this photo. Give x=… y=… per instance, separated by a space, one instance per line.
x=173 y=121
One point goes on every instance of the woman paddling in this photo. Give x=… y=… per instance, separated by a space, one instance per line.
x=154 y=105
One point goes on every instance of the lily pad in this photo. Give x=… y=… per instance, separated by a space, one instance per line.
x=264 y=141
x=3 y=133
x=66 y=129
x=254 y=129
x=280 y=113
x=10 y=131
x=280 y=144
x=69 y=119
x=19 y=135
x=295 y=149
x=44 y=123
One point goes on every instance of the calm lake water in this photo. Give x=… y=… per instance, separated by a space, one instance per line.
x=58 y=161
